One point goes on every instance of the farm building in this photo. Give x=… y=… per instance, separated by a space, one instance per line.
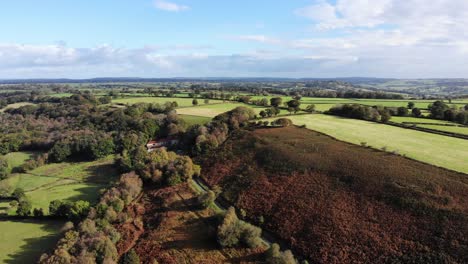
x=165 y=142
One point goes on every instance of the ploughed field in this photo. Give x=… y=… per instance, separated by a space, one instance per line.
x=334 y=202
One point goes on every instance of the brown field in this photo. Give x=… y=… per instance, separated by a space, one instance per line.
x=333 y=202
x=170 y=229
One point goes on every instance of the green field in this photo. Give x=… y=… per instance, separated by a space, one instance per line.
x=66 y=181
x=16 y=159
x=212 y=110
x=195 y=120
x=437 y=124
x=25 y=241
x=182 y=102
x=443 y=151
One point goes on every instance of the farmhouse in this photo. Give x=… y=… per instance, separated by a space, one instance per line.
x=164 y=142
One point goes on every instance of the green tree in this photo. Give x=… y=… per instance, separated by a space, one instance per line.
x=416 y=112
x=294 y=105
x=206 y=199
x=263 y=114
x=4 y=168
x=402 y=111
x=385 y=116
x=229 y=231
x=310 y=108
x=195 y=102
x=24 y=207
x=410 y=105
x=276 y=101
x=207 y=101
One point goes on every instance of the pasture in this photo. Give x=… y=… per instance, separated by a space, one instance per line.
x=443 y=151
x=24 y=241
x=65 y=181
x=195 y=120
x=440 y=125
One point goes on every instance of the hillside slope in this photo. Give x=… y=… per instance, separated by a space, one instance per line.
x=334 y=202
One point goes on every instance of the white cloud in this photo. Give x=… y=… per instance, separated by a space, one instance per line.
x=170 y=6
x=258 y=38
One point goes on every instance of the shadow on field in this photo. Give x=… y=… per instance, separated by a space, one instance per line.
x=102 y=174
x=35 y=247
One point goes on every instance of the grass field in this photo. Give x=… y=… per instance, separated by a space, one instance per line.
x=182 y=102
x=434 y=149
x=16 y=159
x=211 y=110
x=437 y=124
x=66 y=181
x=195 y=120
x=16 y=105
x=25 y=241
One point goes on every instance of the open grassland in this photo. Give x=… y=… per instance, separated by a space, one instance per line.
x=443 y=151
x=182 y=102
x=335 y=202
x=65 y=181
x=25 y=241
x=14 y=106
x=16 y=159
x=195 y=120
x=212 y=110
x=440 y=125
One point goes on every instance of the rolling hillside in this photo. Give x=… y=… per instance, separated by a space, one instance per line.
x=333 y=202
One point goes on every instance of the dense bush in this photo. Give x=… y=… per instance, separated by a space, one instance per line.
x=275 y=256
x=233 y=231
x=206 y=199
x=4 y=168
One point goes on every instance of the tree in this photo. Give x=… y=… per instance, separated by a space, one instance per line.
x=282 y=122
x=229 y=231
x=410 y=105
x=466 y=107
x=207 y=101
x=310 y=108
x=19 y=194
x=294 y=105
x=385 y=116
x=38 y=212
x=195 y=102
x=416 y=112
x=263 y=114
x=24 y=207
x=402 y=111
x=276 y=101
x=206 y=199
x=131 y=257
x=4 y=168
x=274 y=256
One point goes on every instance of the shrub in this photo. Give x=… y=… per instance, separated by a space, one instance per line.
x=131 y=257
x=24 y=207
x=233 y=231
x=282 y=122
x=274 y=256
x=4 y=168
x=206 y=199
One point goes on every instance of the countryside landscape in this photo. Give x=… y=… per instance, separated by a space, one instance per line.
x=258 y=147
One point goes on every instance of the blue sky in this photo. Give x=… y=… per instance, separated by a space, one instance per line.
x=296 y=38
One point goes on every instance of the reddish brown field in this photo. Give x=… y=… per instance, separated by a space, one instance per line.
x=334 y=202
x=176 y=231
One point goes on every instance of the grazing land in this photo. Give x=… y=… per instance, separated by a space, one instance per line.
x=195 y=120
x=443 y=151
x=211 y=110
x=335 y=202
x=434 y=124
x=24 y=241
x=70 y=181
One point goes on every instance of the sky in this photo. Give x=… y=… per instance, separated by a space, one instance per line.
x=233 y=38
